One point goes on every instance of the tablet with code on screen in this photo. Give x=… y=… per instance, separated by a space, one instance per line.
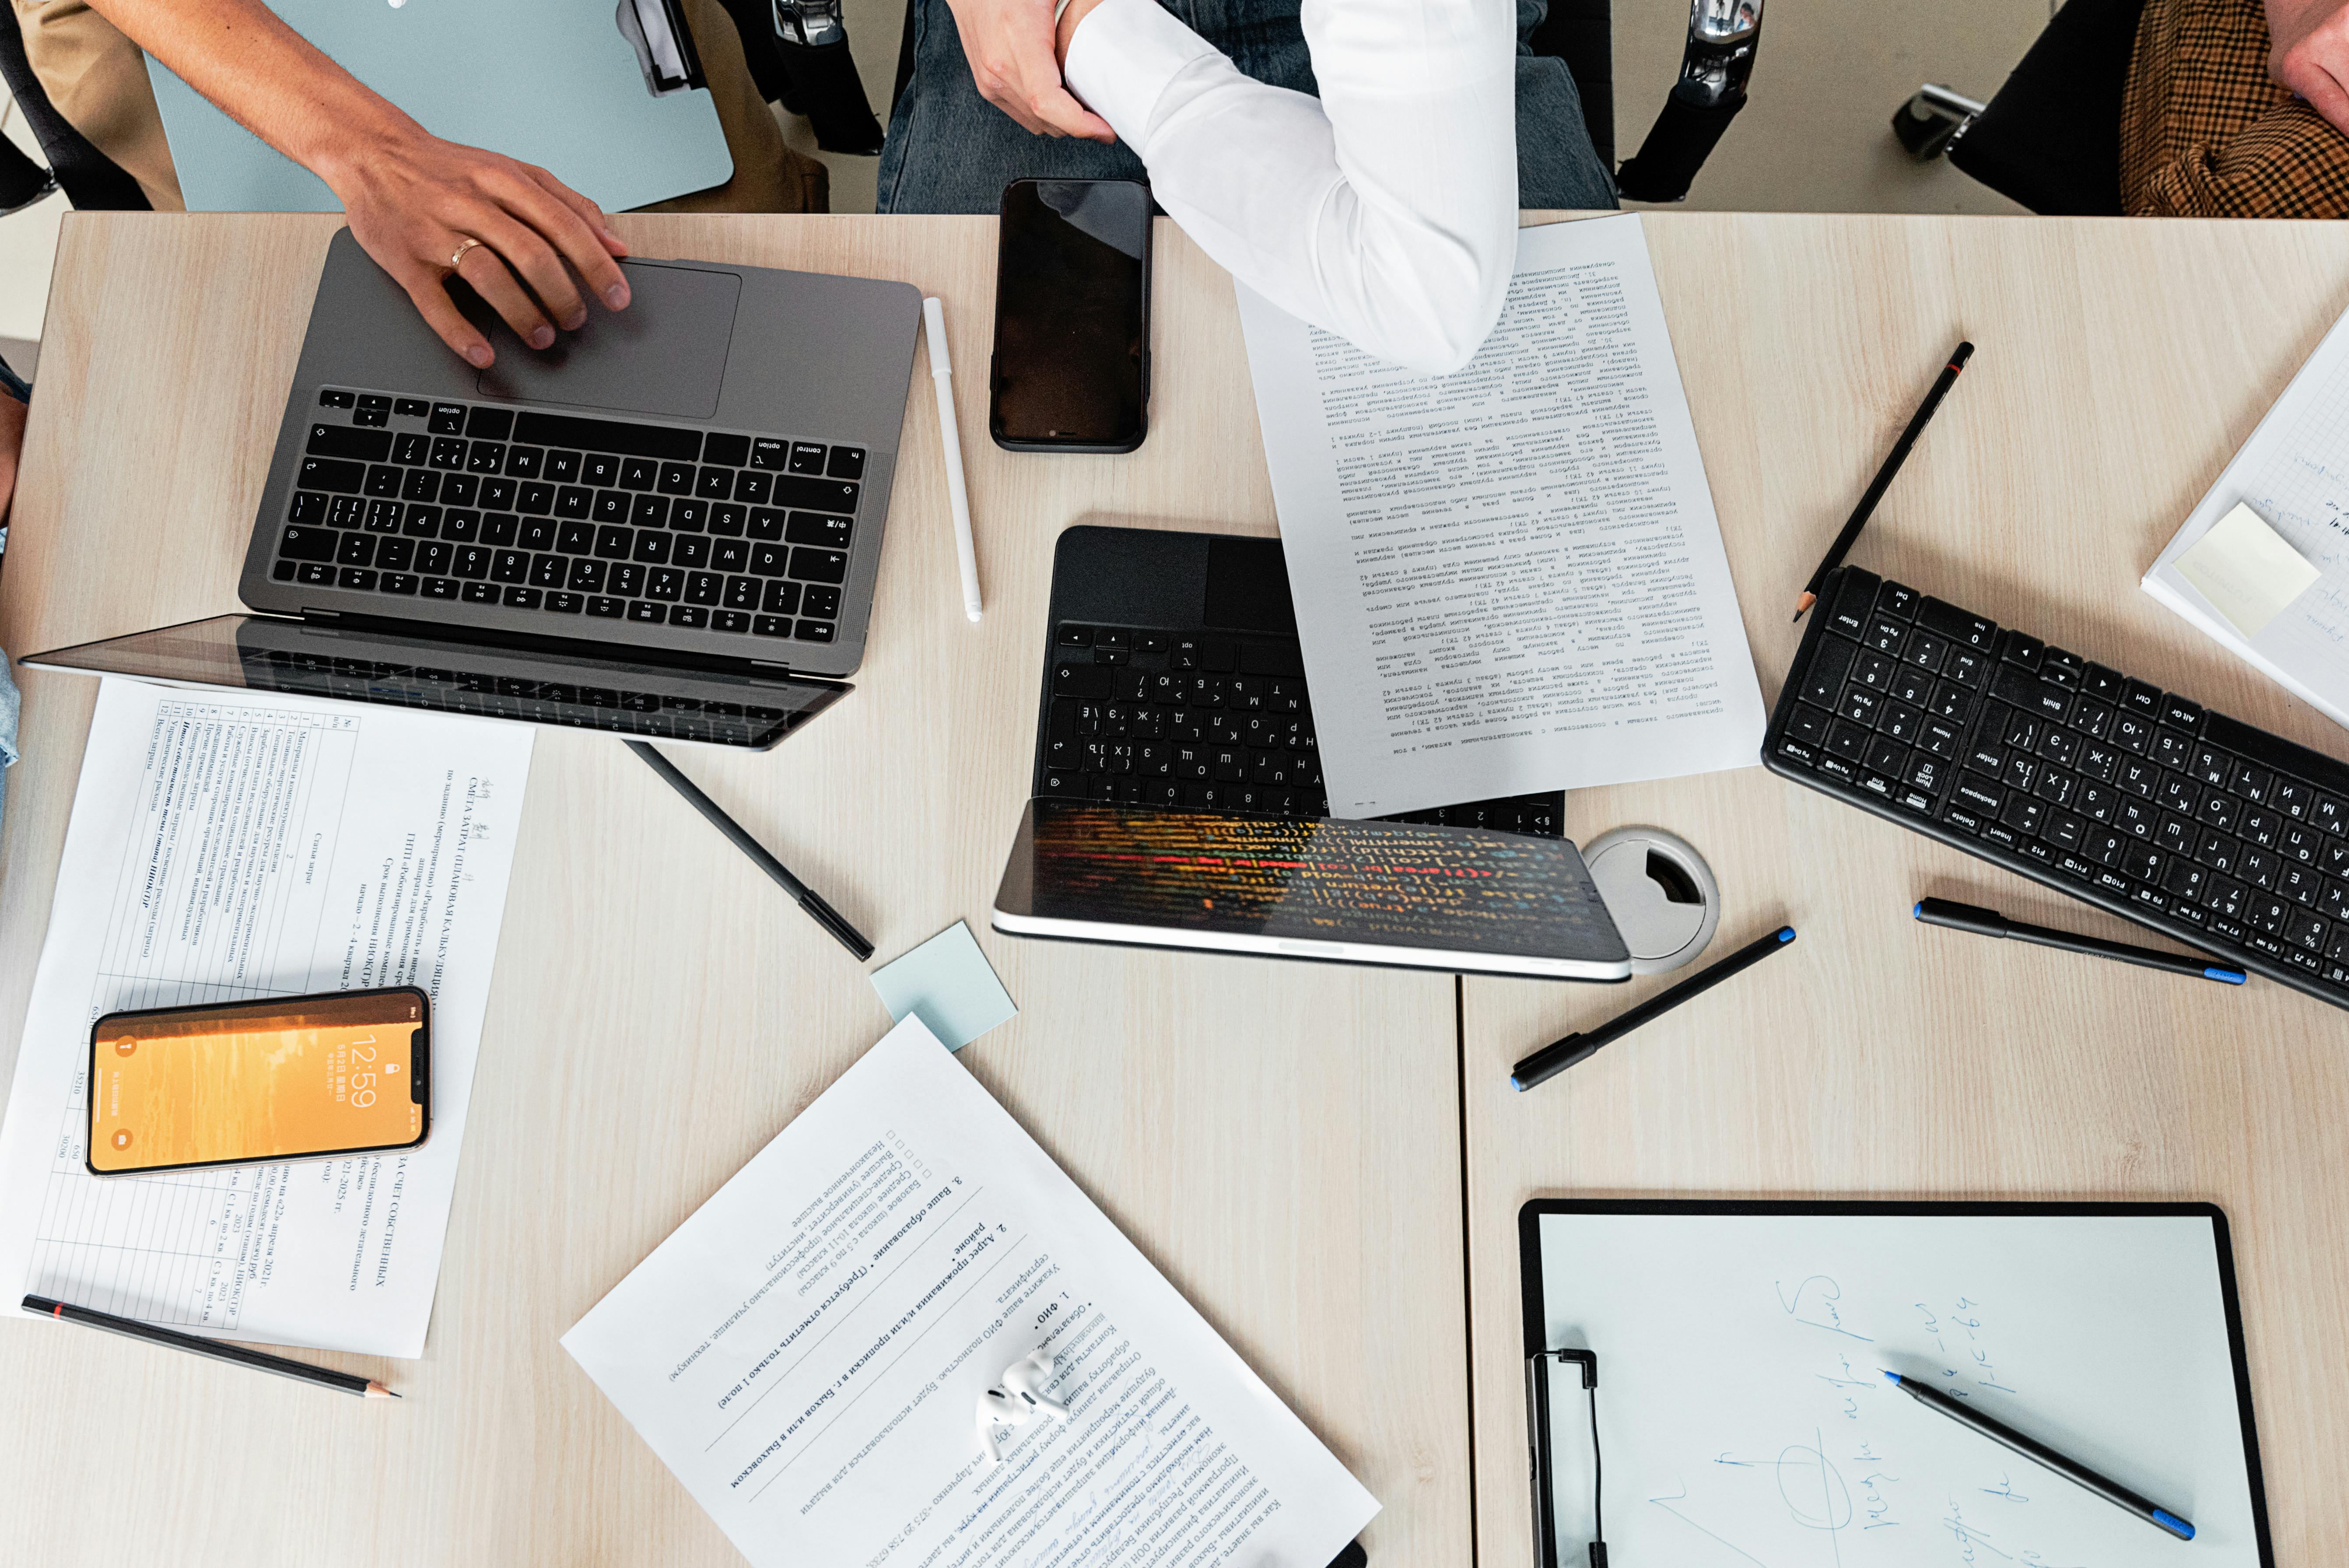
x=1394 y=894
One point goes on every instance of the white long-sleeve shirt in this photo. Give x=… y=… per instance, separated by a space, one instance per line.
x=1385 y=211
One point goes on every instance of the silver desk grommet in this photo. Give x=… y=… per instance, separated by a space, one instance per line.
x=1661 y=893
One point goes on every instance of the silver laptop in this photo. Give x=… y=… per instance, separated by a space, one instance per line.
x=705 y=473
x=610 y=101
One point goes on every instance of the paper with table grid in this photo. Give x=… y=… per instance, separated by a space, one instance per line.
x=2294 y=474
x=224 y=847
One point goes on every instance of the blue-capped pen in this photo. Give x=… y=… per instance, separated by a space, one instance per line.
x=1963 y=1412
x=1559 y=1055
x=1990 y=923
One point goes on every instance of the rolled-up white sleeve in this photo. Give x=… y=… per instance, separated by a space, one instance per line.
x=1385 y=211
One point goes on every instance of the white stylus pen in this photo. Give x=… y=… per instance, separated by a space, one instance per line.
x=934 y=330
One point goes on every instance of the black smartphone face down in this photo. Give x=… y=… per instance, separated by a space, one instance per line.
x=1072 y=367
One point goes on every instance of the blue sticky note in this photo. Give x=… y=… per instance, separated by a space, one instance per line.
x=949 y=984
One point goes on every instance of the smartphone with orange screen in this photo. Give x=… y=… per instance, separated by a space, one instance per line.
x=293 y=1077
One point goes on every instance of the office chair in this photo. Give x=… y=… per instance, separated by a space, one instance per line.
x=2051 y=137
x=90 y=180
x=1714 y=67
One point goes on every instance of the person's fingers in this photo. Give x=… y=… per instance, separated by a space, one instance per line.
x=1059 y=109
x=440 y=314
x=1008 y=102
x=577 y=228
x=2327 y=95
x=529 y=256
x=487 y=275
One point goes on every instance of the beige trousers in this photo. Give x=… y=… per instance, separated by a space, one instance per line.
x=96 y=79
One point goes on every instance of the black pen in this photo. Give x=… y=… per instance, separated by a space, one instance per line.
x=1990 y=923
x=214 y=1349
x=1555 y=1058
x=2111 y=1492
x=822 y=913
x=1883 y=480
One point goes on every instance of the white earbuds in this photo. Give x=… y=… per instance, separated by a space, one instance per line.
x=1015 y=1401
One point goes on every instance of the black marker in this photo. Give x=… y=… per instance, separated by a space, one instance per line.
x=1990 y=923
x=1966 y=1415
x=1555 y=1058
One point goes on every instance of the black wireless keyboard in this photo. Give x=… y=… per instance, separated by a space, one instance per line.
x=567 y=516
x=1209 y=721
x=2138 y=801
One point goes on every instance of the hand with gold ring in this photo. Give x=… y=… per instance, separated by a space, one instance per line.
x=419 y=205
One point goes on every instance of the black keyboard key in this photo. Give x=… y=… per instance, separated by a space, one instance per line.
x=2021 y=649
x=676 y=479
x=766 y=452
x=613 y=542
x=309 y=506
x=625 y=579
x=499 y=528
x=714 y=484
x=356 y=550
x=689 y=551
x=692 y=617
x=644 y=613
x=549 y=571
x=754 y=488
x=520 y=598
x=741 y=593
x=479 y=592
x=400 y=582
x=464 y=527
x=1961 y=628
x=821 y=564
x=814 y=528
x=565 y=604
x=383 y=479
x=524 y=462
x=688 y=515
x=661 y=441
x=638 y=473
x=395 y=554
x=308 y=543
x=333 y=474
x=355 y=580
x=459 y=490
x=1095 y=680
x=1859 y=704
x=732 y=451
x=1887 y=757
x=1823 y=679
x=651 y=548
x=2180 y=714
x=782 y=598
x=2062 y=668
x=846 y=463
x=447 y=454
x=766 y=524
x=812 y=631
x=606 y=609
x=649 y=512
x=806 y=457
x=1854 y=603
x=586 y=577
x=703 y=587
x=815 y=495
x=433 y=556
x=665 y=584
x=331 y=398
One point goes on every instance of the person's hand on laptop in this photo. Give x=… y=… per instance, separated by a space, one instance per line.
x=414 y=201
x=1009 y=47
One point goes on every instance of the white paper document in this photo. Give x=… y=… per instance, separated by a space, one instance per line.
x=231 y=847
x=807 y=1353
x=1744 y=1418
x=1507 y=580
x=2280 y=602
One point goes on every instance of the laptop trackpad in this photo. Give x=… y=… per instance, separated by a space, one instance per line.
x=666 y=354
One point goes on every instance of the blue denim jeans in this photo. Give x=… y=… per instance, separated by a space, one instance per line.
x=950 y=151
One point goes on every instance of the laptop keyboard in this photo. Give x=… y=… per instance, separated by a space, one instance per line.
x=483 y=504
x=2216 y=834
x=1208 y=722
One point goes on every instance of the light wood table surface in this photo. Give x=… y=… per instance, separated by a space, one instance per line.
x=1281 y=1140
x=1286 y=1141
x=2118 y=366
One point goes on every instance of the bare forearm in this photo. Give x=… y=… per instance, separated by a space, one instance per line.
x=266 y=75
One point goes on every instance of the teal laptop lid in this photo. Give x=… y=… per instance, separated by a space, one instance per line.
x=552 y=82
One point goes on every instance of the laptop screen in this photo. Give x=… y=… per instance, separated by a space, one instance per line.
x=649 y=702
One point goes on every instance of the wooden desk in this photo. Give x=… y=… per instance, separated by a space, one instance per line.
x=660 y=1011
x=1281 y=1140
x=2119 y=367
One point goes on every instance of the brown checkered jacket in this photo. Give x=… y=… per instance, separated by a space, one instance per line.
x=2205 y=133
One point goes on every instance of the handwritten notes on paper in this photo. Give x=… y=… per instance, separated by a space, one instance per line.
x=1510 y=579
x=808 y=1350
x=1746 y=1418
